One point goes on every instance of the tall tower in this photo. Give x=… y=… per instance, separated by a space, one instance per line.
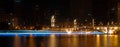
x=104 y=11
x=118 y=12
x=15 y=22
x=18 y=12
x=79 y=9
x=53 y=21
x=75 y=24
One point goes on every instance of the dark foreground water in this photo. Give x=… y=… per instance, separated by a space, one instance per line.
x=61 y=41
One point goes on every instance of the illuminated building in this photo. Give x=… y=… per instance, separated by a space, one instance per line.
x=15 y=22
x=18 y=11
x=79 y=9
x=100 y=10
x=53 y=21
x=75 y=23
x=37 y=14
x=104 y=11
x=118 y=12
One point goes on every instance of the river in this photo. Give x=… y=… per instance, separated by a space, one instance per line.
x=66 y=40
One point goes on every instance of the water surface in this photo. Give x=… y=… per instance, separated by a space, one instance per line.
x=60 y=40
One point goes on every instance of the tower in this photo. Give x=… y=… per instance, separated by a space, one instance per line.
x=15 y=22
x=75 y=24
x=53 y=21
x=118 y=12
x=18 y=12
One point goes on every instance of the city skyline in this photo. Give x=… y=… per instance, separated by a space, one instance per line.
x=31 y=12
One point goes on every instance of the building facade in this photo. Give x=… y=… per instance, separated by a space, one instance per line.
x=118 y=11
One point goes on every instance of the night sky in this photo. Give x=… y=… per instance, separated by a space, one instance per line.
x=39 y=11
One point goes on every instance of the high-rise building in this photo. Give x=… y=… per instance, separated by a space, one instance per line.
x=18 y=12
x=104 y=11
x=118 y=11
x=79 y=9
x=101 y=10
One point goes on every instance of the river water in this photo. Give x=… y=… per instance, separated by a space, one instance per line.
x=67 y=40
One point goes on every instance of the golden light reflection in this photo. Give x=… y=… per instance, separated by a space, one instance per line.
x=17 y=41
x=52 y=41
x=98 y=41
x=69 y=41
x=105 y=41
x=113 y=40
x=116 y=40
x=32 y=41
x=75 y=41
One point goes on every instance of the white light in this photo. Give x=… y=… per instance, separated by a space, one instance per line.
x=105 y=32
x=87 y=32
x=9 y=23
x=69 y=32
x=111 y=31
x=98 y=28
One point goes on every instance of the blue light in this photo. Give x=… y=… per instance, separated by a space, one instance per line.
x=38 y=32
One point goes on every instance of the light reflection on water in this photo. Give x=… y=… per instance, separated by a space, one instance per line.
x=105 y=42
x=52 y=41
x=17 y=41
x=67 y=41
x=32 y=41
x=75 y=41
x=98 y=41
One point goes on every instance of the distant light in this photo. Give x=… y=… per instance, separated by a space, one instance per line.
x=9 y=23
x=88 y=32
x=86 y=20
x=115 y=28
x=89 y=14
x=105 y=32
x=69 y=32
x=111 y=31
x=98 y=28
x=113 y=9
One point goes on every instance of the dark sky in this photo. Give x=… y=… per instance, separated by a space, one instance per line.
x=7 y=5
x=66 y=10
